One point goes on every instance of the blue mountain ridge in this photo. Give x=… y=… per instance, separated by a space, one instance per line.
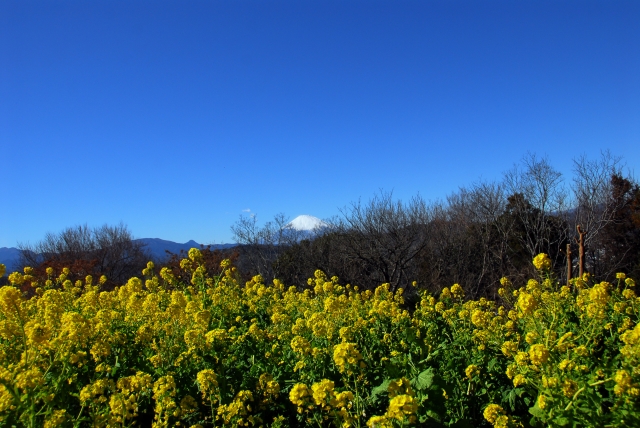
x=158 y=247
x=9 y=257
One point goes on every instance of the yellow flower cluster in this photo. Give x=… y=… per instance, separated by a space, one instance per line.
x=346 y=355
x=538 y=354
x=472 y=371
x=403 y=405
x=542 y=262
x=496 y=415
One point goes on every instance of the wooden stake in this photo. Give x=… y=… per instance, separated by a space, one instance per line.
x=581 y=249
x=569 y=264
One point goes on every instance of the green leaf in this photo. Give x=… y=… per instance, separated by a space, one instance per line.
x=433 y=415
x=424 y=380
x=512 y=398
x=115 y=368
x=492 y=363
x=538 y=412
x=562 y=421
x=392 y=368
x=380 y=389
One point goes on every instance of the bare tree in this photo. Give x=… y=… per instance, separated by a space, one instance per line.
x=539 y=204
x=385 y=236
x=261 y=246
x=480 y=208
x=105 y=250
x=592 y=190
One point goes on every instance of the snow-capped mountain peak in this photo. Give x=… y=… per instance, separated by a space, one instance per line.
x=307 y=223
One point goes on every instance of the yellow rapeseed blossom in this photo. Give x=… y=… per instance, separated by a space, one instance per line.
x=522 y=358
x=509 y=348
x=542 y=262
x=379 y=422
x=344 y=399
x=457 y=291
x=563 y=342
x=519 y=380
x=505 y=282
x=542 y=401
x=322 y=392
x=531 y=337
x=300 y=395
x=598 y=299
x=56 y=419
x=471 y=371
x=345 y=355
x=96 y=391
x=549 y=382
x=566 y=364
x=207 y=381
x=526 y=303
x=16 y=278
x=623 y=382
x=402 y=407
x=492 y=412
x=400 y=386
x=478 y=318
x=569 y=387
x=538 y=354
x=511 y=371
x=195 y=255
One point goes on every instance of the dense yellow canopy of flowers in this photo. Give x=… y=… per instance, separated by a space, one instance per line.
x=215 y=352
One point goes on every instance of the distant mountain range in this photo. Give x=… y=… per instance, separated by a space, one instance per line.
x=308 y=225
x=158 y=248
x=9 y=257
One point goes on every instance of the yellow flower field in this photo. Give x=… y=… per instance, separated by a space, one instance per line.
x=214 y=352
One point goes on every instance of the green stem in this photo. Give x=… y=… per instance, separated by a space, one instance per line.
x=574 y=398
x=78 y=417
x=578 y=392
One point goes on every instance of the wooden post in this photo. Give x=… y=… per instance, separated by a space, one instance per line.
x=581 y=249
x=569 y=264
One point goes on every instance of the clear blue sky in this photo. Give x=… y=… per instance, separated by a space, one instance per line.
x=174 y=117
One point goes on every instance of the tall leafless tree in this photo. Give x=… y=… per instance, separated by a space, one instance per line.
x=385 y=236
x=539 y=203
x=105 y=250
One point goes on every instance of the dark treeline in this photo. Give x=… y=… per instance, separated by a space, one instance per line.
x=476 y=236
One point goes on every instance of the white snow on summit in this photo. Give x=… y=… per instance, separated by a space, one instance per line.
x=307 y=223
